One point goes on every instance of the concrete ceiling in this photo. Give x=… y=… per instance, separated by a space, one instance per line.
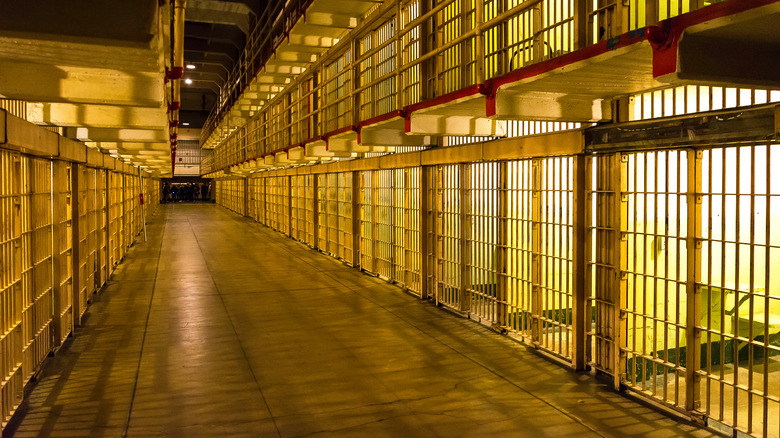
x=96 y=68
x=93 y=68
x=215 y=35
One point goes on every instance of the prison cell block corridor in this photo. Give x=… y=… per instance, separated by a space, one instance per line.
x=216 y=326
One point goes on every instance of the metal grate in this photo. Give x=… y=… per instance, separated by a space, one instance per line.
x=449 y=234
x=101 y=206
x=605 y=209
x=553 y=246
x=519 y=250
x=655 y=231
x=11 y=292
x=483 y=218
x=738 y=215
x=63 y=246
x=690 y=99
x=52 y=242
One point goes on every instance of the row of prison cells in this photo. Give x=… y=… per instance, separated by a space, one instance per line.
x=652 y=266
x=66 y=224
x=641 y=250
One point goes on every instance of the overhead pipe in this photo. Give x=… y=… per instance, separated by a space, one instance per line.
x=175 y=75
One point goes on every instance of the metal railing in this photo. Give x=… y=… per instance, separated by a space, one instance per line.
x=411 y=51
x=271 y=29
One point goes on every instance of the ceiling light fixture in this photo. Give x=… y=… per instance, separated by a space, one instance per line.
x=188 y=81
x=191 y=66
x=186 y=124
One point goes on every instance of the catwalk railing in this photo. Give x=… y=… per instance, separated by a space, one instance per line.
x=67 y=222
x=266 y=35
x=406 y=52
x=649 y=262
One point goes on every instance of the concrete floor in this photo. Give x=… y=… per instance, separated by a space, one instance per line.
x=219 y=327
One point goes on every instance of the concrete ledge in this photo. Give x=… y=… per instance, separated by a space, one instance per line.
x=469 y=153
x=395 y=161
x=22 y=136
x=536 y=146
x=95 y=158
x=71 y=150
x=3 y=116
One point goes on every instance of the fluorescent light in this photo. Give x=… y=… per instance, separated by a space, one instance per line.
x=186 y=124
x=191 y=66
x=188 y=81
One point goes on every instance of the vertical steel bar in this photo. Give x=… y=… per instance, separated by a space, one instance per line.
x=736 y=313
x=315 y=211
x=424 y=217
x=619 y=252
x=579 y=257
x=75 y=254
x=357 y=181
x=479 y=41
x=502 y=288
x=399 y=25
x=56 y=261
x=536 y=251
x=375 y=226
x=464 y=300
x=288 y=196
x=693 y=292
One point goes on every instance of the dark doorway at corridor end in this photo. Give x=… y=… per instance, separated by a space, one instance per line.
x=187 y=189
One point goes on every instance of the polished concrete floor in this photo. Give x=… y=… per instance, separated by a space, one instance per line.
x=219 y=327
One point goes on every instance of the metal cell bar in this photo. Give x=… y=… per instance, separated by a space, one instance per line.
x=356 y=219
x=692 y=291
x=366 y=221
x=448 y=235
x=482 y=217
x=603 y=265
x=519 y=251
x=413 y=236
x=536 y=251
x=555 y=254
x=464 y=298
x=426 y=227
x=502 y=298
x=384 y=231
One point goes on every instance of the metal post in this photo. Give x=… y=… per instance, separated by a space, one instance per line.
x=479 y=41
x=245 y=197
x=693 y=293
x=536 y=249
x=651 y=13
x=75 y=253
x=143 y=206
x=425 y=217
x=316 y=210
x=620 y=253
x=399 y=61
x=581 y=24
x=464 y=302
x=502 y=289
x=107 y=203
x=465 y=52
x=425 y=35
x=288 y=195
x=580 y=312
x=56 y=275
x=374 y=223
x=355 y=84
x=356 y=219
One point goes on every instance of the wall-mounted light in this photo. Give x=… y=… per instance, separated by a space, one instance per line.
x=188 y=81
x=191 y=66
x=186 y=124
